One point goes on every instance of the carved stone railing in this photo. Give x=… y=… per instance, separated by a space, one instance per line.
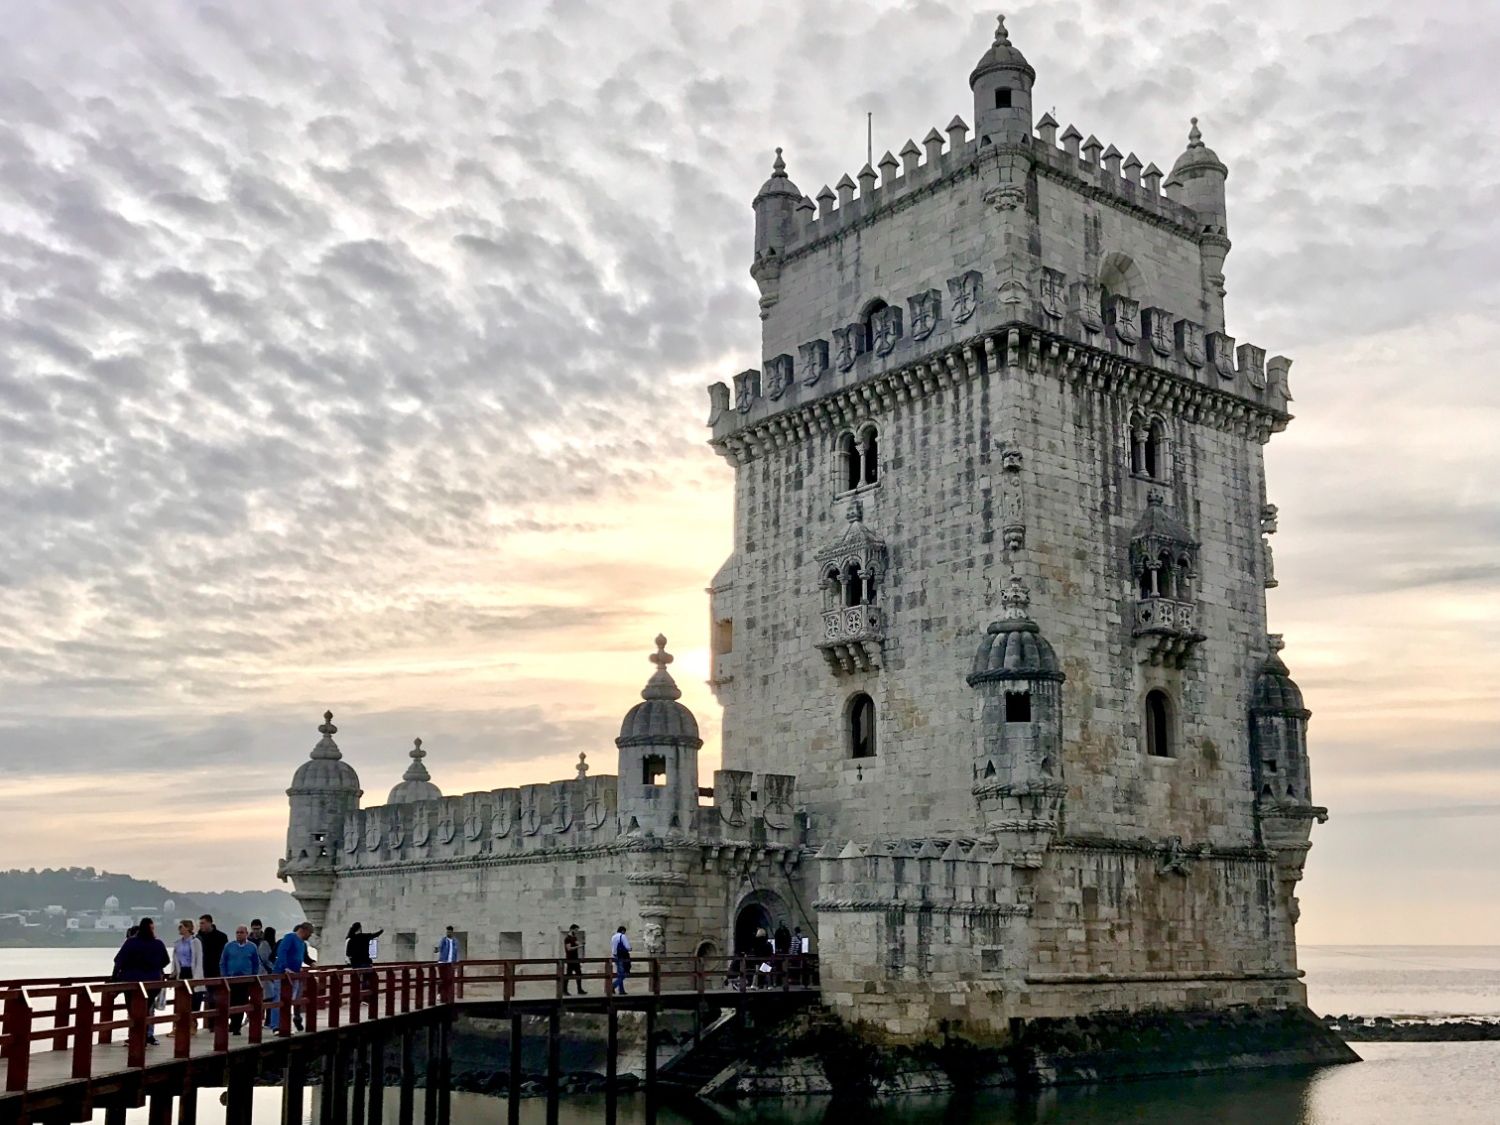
x=852 y=637
x=1166 y=629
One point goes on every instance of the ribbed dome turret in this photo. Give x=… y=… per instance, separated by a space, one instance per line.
x=1276 y=693
x=1197 y=158
x=416 y=783
x=325 y=770
x=1000 y=56
x=659 y=719
x=1013 y=648
x=779 y=183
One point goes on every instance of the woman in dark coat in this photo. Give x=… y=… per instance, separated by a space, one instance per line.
x=142 y=958
x=357 y=947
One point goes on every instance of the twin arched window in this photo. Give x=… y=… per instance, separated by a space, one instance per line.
x=859 y=459
x=1168 y=578
x=852 y=586
x=1149 y=455
x=861 y=720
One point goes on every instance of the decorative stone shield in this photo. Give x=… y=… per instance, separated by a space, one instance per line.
x=887 y=328
x=421 y=829
x=502 y=820
x=1221 y=353
x=395 y=832
x=1054 y=293
x=1190 y=343
x=373 y=832
x=352 y=834
x=964 y=292
x=814 y=355
x=447 y=825
x=778 y=376
x=746 y=390
x=1125 y=319
x=1084 y=297
x=846 y=345
x=925 y=308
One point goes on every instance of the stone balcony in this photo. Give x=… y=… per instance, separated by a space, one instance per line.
x=852 y=636
x=1166 y=630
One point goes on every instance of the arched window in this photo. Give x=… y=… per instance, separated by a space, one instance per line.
x=854 y=585
x=867 y=319
x=1155 y=460
x=1184 y=579
x=870 y=452
x=833 y=589
x=1167 y=576
x=1158 y=724
x=654 y=770
x=861 y=726
x=849 y=456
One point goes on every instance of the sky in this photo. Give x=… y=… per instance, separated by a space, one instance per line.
x=352 y=356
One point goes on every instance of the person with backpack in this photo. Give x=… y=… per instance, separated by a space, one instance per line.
x=619 y=949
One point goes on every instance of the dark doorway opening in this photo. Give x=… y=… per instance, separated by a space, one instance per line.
x=752 y=916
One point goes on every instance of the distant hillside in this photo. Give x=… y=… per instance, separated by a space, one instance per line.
x=77 y=889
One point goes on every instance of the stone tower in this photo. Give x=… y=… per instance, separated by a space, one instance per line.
x=658 y=744
x=997 y=592
x=324 y=792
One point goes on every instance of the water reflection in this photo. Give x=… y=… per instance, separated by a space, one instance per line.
x=1399 y=1083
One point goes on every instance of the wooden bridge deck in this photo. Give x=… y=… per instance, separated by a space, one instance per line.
x=75 y=1059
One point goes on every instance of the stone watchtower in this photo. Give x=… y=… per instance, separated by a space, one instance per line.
x=324 y=792
x=659 y=744
x=997 y=593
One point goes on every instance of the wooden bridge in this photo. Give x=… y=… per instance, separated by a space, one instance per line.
x=73 y=1046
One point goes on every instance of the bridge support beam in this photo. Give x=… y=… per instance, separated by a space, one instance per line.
x=612 y=1065
x=293 y=1079
x=513 y=1093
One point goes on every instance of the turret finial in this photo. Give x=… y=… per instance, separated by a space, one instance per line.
x=779 y=167
x=583 y=765
x=416 y=771
x=1195 y=138
x=1001 y=36
x=661 y=685
x=328 y=727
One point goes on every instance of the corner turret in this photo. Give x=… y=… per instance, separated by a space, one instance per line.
x=776 y=219
x=324 y=791
x=658 y=744
x=1197 y=181
x=1002 y=83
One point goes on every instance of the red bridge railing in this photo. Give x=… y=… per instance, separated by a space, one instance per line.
x=75 y=1014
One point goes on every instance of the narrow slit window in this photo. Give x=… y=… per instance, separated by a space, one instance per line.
x=1158 y=724
x=862 y=727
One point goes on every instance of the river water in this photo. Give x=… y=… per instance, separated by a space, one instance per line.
x=1397 y=1084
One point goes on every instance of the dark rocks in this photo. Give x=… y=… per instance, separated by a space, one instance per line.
x=1384 y=1029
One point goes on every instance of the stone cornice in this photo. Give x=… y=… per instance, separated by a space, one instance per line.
x=1188 y=850
x=973 y=909
x=699 y=850
x=1016 y=344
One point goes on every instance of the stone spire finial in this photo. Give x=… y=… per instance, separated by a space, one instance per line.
x=1155 y=498
x=416 y=771
x=1016 y=599
x=855 y=511
x=1002 y=37
x=326 y=747
x=583 y=765
x=1195 y=138
x=661 y=685
x=778 y=168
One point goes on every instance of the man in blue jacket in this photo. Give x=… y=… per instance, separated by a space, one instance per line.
x=239 y=959
x=291 y=957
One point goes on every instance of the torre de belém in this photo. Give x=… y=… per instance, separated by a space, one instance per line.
x=1004 y=730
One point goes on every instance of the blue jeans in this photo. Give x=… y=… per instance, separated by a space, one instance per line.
x=622 y=970
x=276 y=1011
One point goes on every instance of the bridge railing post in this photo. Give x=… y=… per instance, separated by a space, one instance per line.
x=62 y=1018
x=83 y=1034
x=356 y=996
x=18 y=1040
x=405 y=989
x=699 y=983
x=257 y=1014
x=557 y=973
x=138 y=1006
x=284 y=1005
x=220 y=996
x=108 y=998
x=510 y=981
x=447 y=976
x=182 y=1021
x=335 y=989
x=312 y=994
x=655 y=977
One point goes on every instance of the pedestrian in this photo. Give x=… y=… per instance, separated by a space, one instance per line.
x=214 y=940
x=291 y=957
x=619 y=949
x=240 y=960
x=257 y=931
x=187 y=962
x=761 y=954
x=447 y=949
x=799 y=951
x=143 y=957
x=267 y=950
x=357 y=951
x=572 y=957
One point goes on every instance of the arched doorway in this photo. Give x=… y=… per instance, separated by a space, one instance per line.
x=759 y=910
